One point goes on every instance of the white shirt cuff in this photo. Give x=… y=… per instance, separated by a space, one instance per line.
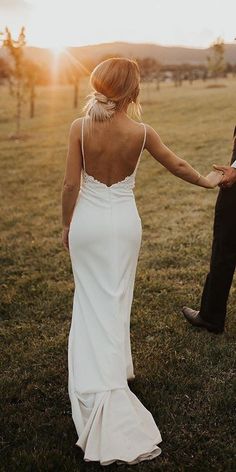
x=234 y=164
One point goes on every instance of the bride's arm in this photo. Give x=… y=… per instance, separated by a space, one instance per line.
x=71 y=181
x=173 y=163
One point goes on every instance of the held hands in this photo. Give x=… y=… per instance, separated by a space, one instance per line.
x=223 y=176
x=229 y=176
x=215 y=178
x=64 y=237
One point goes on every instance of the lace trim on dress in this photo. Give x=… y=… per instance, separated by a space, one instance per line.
x=90 y=178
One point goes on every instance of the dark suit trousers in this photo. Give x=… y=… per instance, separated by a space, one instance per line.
x=223 y=260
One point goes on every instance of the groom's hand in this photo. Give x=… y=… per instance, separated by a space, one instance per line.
x=229 y=177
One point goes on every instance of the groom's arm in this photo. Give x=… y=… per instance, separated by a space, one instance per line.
x=234 y=150
x=229 y=178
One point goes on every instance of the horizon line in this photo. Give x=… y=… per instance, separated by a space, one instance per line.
x=133 y=43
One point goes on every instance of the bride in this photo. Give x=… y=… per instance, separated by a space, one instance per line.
x=102 y=230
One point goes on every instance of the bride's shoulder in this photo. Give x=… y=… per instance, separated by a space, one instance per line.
x=75 y=128
x=76 y=124
x=138 y=125
x=150 y=131
x=149 y=128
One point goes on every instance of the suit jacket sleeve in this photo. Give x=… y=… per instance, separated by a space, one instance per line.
x=233 y=159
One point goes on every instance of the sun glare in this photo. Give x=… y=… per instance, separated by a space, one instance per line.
x=57 y=48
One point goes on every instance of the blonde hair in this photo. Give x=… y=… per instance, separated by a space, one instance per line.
x=116 y=84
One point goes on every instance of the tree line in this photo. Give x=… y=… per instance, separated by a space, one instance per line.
x=23 y=74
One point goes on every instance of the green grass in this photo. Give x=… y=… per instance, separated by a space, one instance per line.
x=183 y=376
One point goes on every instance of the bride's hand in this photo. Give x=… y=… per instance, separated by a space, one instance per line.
x=214 y=178
x=65 y=235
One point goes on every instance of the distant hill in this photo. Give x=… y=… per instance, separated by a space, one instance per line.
x=164 y=54
x=89 y=56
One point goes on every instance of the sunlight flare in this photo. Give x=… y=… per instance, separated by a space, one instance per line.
x=57 y=49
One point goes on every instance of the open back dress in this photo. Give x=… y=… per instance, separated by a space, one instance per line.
x=104 y=242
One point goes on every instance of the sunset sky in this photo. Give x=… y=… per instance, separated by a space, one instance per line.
x=51 y=23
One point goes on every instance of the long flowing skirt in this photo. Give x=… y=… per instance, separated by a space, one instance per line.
x=104 y=241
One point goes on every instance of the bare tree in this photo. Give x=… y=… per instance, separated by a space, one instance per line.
x=23 y=75
x=75 y=76
x=215 y=61
x=150 y=75
x=74 y=71
x=149 y=68
x=15 y=48
x=31 y=70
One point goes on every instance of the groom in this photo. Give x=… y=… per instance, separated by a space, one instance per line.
x=212 y=313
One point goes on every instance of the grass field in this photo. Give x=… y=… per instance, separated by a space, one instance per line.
x=184 y=376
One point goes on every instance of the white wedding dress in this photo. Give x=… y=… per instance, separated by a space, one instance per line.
x=104 y=243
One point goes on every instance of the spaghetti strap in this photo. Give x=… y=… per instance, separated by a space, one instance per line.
x=82 y=143
x=142 y=148
x=144 y=138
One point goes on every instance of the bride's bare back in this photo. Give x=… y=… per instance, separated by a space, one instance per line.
x=111 y=149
